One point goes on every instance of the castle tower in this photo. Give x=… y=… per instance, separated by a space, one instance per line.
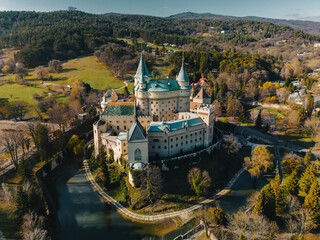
x=142 y=75
x=206 y=112
x=137 y=143
x=183 y=79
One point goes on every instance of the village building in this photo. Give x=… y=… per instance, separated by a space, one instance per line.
x=159 y=124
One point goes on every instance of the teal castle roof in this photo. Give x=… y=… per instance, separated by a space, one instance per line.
x=118 y=110
x=163 y=85
x=142 y=70
x=183 y=76
x=174 y=125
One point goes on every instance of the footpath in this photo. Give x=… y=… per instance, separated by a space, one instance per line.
x=156 y=217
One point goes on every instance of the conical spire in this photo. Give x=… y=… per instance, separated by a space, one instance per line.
x=183 y=76
x=142 y=70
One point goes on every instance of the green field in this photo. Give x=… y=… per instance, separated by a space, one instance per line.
x=86 y=69
x=19 y=92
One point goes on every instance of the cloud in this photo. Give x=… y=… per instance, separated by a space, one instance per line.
x=315 y=18
x=292 y=15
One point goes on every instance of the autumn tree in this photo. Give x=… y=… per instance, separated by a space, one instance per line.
x=217 y=216
x=41 y=73
x=200 y=181
x=235 y=109
x=261 y=162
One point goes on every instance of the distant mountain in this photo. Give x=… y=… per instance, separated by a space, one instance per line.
x=306 y=26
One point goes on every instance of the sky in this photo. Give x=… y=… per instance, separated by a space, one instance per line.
x=282 y=9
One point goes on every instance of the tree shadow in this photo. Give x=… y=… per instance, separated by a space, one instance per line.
x=69 y=70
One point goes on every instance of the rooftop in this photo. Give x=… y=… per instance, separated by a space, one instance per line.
x=119 y=109
x=174 y=125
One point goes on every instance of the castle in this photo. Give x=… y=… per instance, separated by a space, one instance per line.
x=159 y=123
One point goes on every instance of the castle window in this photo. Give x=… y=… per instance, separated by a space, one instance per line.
x=171 y=146
x=125 y=127
x=124 y=121
x=165 y=147
x=176 y=139
x=200 y=132
x=200 y=139
x=155 y=140
x=191 y=135
x=124 y=151
x=152 y=147
x=186 y=142
x=165 y=140
x=195 y=140
x=177 y=145
x=190 y=141
x=137 y=155
x=118 y=127
x=181 y=144
x=159 y=147
x=196 y=134
x=181 y=137
x=171 y=139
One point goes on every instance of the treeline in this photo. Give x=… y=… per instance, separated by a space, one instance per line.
x=65 y=35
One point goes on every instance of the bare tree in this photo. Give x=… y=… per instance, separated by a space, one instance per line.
x=41 y=73
x=254 y=115
x=231 y=144
x=10 y=142
x=151 y=185
x=33 y=227
x=282 y=95
x=55 y=66
x=200 y=181
x=312 y=125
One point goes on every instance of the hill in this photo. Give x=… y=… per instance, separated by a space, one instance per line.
x=306 y=26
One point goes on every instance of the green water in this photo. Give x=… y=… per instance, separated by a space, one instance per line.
x=82 y=215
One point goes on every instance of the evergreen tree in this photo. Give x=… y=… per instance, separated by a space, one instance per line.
x=310 y=105
x=280 y=195
x=105 y=175
x=312 y=200
x=22 y=203
x=126 y=92
x=266 y=204
x=41 y=140
x=307 y=179
x=217 y=216
x=307 y=158
x=36 y=202
x=292 y=185
x=258 y=122
x=24 y=170
x=125 y=191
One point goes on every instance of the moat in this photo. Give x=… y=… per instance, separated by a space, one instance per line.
x=82 y=215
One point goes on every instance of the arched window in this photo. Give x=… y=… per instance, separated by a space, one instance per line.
x=137 y=155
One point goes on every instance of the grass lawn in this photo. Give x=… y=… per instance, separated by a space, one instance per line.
x=19 y=92
x=7 y=54
x=86 y=69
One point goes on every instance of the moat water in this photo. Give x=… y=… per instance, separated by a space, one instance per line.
x=83 y=216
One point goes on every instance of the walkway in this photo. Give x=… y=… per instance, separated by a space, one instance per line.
x=125 y=85
x=157 y=217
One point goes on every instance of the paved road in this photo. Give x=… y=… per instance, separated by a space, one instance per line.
x=157 y=217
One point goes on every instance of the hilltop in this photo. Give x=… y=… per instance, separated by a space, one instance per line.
x=306 y=26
